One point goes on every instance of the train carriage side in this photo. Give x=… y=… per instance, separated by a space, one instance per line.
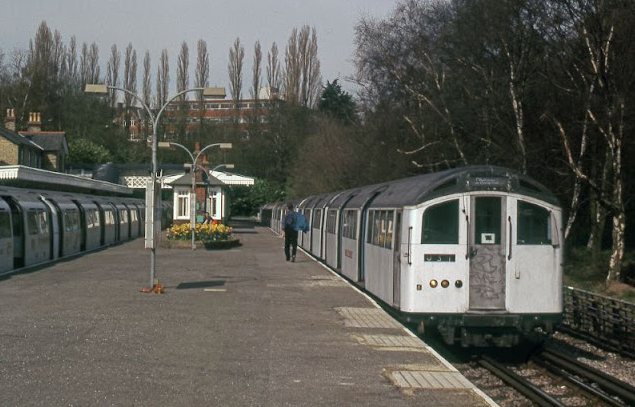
x=108 y=220
x=133 y=218
x=6 y=238
x=318 y=225
x=482 y=256
x=66 y=220
x=122 y=218
x=307 y=209
x=336 y=227
x=32 y=230
x=353 y=242
x=90 y=223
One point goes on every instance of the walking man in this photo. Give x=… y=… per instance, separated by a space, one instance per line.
x=290 y=234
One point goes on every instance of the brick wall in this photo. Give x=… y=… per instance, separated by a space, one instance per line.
x=8 y=152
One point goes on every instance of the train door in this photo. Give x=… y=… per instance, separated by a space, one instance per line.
x=396 y=263
x=18 y=232
x=486 y=252
x=57 y=230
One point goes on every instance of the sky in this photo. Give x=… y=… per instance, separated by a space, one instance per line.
x=165 y=24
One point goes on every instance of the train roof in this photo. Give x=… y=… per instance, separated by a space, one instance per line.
x=418 y=189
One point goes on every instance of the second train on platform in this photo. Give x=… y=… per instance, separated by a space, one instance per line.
x=474 y=252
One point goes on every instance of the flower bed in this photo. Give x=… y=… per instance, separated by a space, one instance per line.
x=208 y=236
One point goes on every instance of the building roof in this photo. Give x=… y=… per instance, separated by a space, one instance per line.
x=26 y=177
x=186 y=179
x=48 y=140
x=18 y=139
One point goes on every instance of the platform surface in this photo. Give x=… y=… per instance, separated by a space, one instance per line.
x=240 y=327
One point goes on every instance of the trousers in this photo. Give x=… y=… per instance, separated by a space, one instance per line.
x=290 y=243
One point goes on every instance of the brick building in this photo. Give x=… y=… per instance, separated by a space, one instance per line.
x=35 y=148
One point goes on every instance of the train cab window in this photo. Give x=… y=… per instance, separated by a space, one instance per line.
x=5 y=225
x=533 y=225
x=441 y=223
x=488 y=220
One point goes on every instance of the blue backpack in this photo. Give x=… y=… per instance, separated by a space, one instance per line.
x=300 y=224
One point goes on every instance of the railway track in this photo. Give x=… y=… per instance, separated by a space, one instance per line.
x=570 y=382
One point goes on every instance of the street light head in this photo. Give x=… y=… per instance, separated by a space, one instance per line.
x=225 y=146
x=229 y=166
x=165 y=144
x=96 y=88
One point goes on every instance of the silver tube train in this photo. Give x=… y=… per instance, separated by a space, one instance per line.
x=39 y=226
x=473 y=252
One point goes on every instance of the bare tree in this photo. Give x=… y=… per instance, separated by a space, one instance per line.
x=92 y=64
x=112 y=74
x=146 y=89
x=163 y=79
x=182 y=74
x=274 y=75
x=130 y=75
x=302 y=68
x=256 y=71
x=201 y=79
x=202 y=67
x=71 y=60
x=292 y=69
x=604 y=74
x=147 y=80
x=235 y=68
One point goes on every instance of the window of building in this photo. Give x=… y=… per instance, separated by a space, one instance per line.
x=441 y=223
x=182 y=204
x=534 y=224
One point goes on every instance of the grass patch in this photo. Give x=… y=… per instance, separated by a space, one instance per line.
x=583 y=271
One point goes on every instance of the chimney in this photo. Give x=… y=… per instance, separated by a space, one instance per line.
x=9 y=122
x=35 y=124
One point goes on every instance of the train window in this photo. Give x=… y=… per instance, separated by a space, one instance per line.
x=71 y=221
x=488 y=220
x=371 y=224
x=389 y=222
x=109 y=218
x=533 y=225
x=43 y=221
x=317 y=218
x=123 y=215
x=5 y=225
x=331 y=220
x=32 y=222
x=349 y=224
x=441 y=223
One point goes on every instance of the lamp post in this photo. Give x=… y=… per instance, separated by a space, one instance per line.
x=151 y=189
x=223 y=146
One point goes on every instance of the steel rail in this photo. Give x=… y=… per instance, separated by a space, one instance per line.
x=623 y=390
x=526 y=388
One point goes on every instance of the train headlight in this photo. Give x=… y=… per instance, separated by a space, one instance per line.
x=458 y=283
x=433 y=283
x=445 y=283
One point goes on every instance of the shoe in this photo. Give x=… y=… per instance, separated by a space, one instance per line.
x=287 y=259
x=293 y=259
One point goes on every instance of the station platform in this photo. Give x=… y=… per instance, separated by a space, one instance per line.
x=239 y=327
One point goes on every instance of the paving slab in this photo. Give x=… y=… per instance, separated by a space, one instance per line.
x=238 y=327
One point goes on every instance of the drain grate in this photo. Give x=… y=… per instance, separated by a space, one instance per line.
x=200 y=284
